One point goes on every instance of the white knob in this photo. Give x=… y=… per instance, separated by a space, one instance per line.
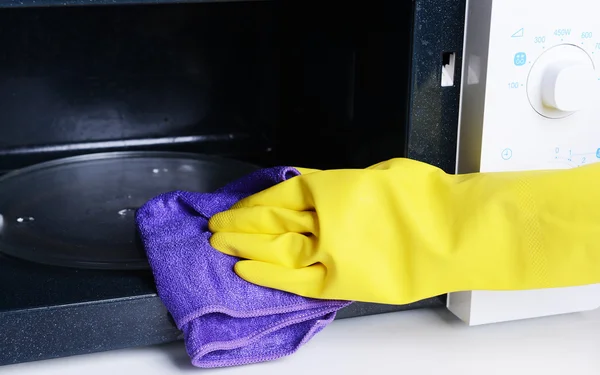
x=562 y=81
x=568 y=86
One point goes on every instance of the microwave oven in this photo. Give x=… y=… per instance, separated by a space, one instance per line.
x=261 y=82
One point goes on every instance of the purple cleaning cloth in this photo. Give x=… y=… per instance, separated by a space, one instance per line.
x=226 y=321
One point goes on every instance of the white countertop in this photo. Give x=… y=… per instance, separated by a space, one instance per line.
x=414 y=342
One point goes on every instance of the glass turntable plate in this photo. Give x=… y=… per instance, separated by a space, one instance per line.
x=80 y=211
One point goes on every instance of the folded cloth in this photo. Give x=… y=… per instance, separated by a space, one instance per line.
x=226 y=321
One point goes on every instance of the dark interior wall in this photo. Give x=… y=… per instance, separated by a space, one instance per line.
x=263 y=81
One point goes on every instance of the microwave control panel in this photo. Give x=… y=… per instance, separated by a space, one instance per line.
x=530 y=99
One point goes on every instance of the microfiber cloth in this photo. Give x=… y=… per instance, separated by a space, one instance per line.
x=225 y=320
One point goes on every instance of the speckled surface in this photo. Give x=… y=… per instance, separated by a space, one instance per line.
x=48 y=312
x=58 y=331
x=432 y=136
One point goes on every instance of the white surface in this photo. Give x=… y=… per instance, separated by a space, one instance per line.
x=516 y=53
x=412 y=343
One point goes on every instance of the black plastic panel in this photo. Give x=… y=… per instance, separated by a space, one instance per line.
x=48 y=312
x=432 y=135
x=61 y=331
x=112 y=324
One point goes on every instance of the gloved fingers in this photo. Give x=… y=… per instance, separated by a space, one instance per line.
x=306 y=282
x=291 y=250
x=292 y=194
x=263 y=220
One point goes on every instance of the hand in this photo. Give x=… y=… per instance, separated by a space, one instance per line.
x=402 y=231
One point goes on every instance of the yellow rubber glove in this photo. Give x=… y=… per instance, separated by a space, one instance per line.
x=402 y=231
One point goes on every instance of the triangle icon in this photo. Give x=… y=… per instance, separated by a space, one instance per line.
x=518 y=34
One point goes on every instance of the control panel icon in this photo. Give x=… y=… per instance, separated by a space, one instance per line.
x=506 y=153
x=520 y=58
x=519 y=33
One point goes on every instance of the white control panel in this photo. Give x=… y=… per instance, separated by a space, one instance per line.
x=530 y=100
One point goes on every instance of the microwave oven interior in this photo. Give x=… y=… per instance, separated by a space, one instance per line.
x=264 y=82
